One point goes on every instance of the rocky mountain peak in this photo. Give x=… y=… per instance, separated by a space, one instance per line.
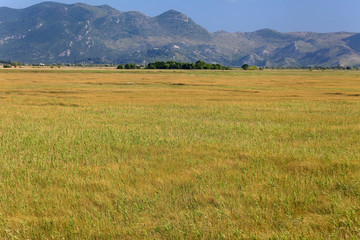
x=174 y=15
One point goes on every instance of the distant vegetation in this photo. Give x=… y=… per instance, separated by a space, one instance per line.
x=175 y=65
x=9 y=64
x=5 y=64
x=166 y=65
x=179 y=65
x=247 y=67
x=129 y=66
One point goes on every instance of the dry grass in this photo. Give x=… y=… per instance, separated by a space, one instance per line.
x=179 y=154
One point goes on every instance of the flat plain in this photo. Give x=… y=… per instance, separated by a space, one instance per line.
x=99 y=154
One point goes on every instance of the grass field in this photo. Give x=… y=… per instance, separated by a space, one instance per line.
x=179 y=154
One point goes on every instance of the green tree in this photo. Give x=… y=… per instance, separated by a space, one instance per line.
x=15 y=64
x=130 y=66
x=151 y=66
x=200 y=65
x=245 y=66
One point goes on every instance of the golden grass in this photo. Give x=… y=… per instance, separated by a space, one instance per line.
x=99 y=154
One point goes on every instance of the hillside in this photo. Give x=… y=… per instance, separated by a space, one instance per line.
x=55 y=33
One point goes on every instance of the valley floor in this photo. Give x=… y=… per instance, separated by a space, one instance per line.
x=108 y=154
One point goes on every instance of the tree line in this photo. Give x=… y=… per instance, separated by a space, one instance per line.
x=175 y=65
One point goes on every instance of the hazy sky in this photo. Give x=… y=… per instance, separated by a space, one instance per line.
x=244 y=15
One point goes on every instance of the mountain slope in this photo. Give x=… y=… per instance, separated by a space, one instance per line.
x=53 y=33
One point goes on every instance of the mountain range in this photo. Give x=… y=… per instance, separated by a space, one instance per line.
x=53 y=32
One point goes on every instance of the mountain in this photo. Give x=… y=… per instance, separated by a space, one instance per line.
x=52 y=32
x=271 y=48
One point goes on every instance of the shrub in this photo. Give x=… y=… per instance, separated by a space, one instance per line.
x=253 y=67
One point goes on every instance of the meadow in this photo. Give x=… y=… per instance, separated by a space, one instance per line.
x=100 y=154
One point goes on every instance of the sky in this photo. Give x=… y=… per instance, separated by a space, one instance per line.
x=243 y=15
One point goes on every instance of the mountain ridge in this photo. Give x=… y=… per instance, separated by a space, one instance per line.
x=53 y=32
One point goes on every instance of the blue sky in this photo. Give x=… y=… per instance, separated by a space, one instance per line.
x=244 y=15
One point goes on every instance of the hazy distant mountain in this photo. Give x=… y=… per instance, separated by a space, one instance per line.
x=57 y=33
